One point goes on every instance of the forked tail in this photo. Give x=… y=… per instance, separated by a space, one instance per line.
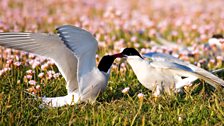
x=209 y=77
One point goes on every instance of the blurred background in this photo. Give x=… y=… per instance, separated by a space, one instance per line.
x=186 y=25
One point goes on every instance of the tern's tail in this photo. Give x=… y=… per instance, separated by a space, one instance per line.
x=208 y=77
x=69 y=99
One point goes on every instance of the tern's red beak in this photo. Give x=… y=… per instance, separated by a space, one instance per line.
x=118 y=55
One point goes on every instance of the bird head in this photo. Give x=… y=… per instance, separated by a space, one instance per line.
x=107 y=61
x=130 y=52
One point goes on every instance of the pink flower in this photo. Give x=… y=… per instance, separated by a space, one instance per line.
x=174 y=33
x=50 y=62
x=9 y=61
x=212 y=61
x=125 y=90
x=31 y=89
x=35 y=64
x=41 y=75
x=1 y=72
x=50 y=74
x=17 y=64
x=219 y=58
x=6 y=69
x=56 y=75
x=38 y=87
x=140 y=96
x=28 y=76
x=133 y=39
x=17 y=57
x=30 y=72
x=32 y=82
x=22 y=53
x=44 y=66
x=31 y=56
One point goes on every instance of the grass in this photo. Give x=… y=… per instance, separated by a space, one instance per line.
x=198 y=106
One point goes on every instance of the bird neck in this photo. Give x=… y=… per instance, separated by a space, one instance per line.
x=137 y=63
x=105 y=64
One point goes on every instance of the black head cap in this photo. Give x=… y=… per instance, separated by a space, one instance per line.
x=217 y=36
x=131 y=52
x=106 y=62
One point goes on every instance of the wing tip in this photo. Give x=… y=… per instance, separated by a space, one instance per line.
x=69 y=27
x=63 y=28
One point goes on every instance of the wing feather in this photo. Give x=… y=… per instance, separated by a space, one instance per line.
x=48 y=45
x=171 y=62
x=72 y=48
x=84 y=46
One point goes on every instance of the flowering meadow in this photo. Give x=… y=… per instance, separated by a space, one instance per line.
x=182 y=28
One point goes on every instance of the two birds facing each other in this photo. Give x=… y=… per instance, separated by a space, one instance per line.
x=73 y=50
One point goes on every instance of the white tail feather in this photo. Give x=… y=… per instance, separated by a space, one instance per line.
x=69 y=99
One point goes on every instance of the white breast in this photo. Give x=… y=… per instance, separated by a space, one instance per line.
x=150 y=76
x=95 y=82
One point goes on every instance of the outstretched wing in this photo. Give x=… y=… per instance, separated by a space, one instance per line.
x=84 y=46
x=49 y=46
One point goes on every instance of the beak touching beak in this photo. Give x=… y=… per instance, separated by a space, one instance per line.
x=120 y=55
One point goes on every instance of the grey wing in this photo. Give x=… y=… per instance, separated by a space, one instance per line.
x=26 y=41
x=170 y=65
x=45 y=45
x=189 y=71
x=84 y=46
x=155 y=56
